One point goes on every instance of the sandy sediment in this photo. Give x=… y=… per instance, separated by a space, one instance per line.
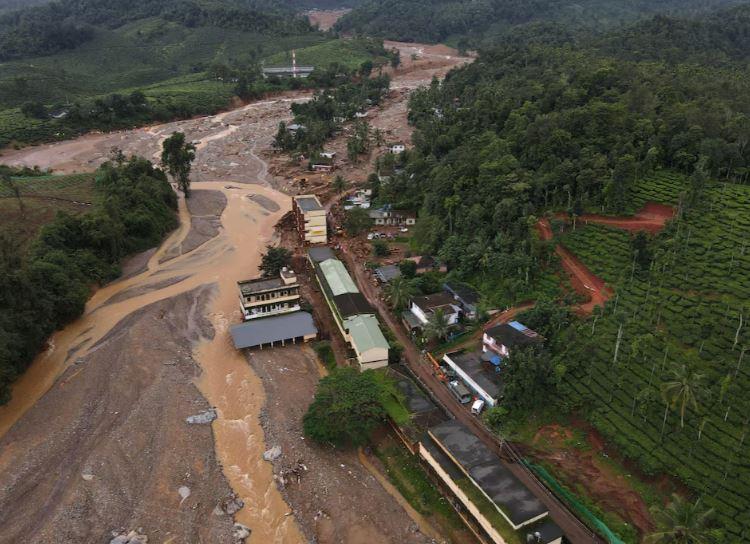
x=205 y=209
x=337 y=499
x=107 y=448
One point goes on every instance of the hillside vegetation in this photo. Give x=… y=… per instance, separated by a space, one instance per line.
x=45 y=284
x=472 y=23
x=572 y=125
x=680 y=317
x=73 y=66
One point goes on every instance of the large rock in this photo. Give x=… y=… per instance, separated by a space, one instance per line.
x=272 y=454
x=203 y=418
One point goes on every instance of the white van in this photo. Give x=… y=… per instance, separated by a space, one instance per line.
x=477 y=407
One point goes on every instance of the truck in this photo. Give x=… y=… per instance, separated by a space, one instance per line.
x=460 y=391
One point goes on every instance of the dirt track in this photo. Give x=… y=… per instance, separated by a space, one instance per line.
x=584 y=281
x=651 y=218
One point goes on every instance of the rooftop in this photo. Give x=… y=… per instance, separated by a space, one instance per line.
x=365 y=333
x=308 y=203
x=388 y=273
x=512 y=498
x=320 y=254
x=514 y=334
x=483 y=374
x=261 y=285
x=351 y=304
x=433 y=302
x=462 y=291
x=273 y=329
x=337 y=277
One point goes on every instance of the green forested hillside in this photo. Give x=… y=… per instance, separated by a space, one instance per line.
x=572 y=125
x=475 y=22
x=106 y=64
x=44 y=284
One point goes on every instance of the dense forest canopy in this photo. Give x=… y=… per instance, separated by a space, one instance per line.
x=47 y=286
x=66 y=24
x=475 y=22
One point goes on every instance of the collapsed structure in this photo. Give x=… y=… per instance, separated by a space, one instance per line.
x=352 y=313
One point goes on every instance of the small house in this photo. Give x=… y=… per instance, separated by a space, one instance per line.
x=360 y=199
x=499 y=341
x=386 y=216
x=426 y=263
x=482 y=378
x=294 y=128
x=466 y=297
x=396 y=149
x=425 y=307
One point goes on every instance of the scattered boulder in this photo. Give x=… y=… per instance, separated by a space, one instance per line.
x=231 y=505
x=204 y=418
x=272 y=454
x=240 y=532
x=132 y=537
x=184 y=492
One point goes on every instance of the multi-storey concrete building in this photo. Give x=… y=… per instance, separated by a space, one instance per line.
x=310 y=217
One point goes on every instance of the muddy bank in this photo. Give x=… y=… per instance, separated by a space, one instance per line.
x=141 y=290
x=205 y=209
x=337 y=499
x=108 y=448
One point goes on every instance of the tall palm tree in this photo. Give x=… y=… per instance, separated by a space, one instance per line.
x=398 y=292
x=339 y=184
x=683 y=389
x=682 y=522
x=438 y=326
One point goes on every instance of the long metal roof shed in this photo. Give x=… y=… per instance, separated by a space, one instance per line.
x=269 y=330
x=518 y=505
x=337 y=277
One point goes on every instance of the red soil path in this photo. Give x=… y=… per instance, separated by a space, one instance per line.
x=651 y=218
x=584 y=281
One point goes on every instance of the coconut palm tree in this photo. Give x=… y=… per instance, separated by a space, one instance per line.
x=339 y=184
x=682 y=389
x=398 y=292
x=438 y=326
x=682 y=522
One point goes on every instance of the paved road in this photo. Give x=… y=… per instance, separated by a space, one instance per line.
x=574 y=529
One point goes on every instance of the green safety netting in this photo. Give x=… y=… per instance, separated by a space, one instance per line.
x=573 y=502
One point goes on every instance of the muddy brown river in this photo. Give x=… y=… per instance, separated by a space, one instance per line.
x=228 y=149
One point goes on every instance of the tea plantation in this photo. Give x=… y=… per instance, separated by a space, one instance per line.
x=690 y=307
x=42 y=197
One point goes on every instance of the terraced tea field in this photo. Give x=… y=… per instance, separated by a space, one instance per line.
x=41 y=198
x=691 y=309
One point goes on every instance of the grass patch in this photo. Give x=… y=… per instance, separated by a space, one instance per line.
x=406 y=474
x=325 y=354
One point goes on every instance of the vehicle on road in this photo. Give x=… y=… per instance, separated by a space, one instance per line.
x=477 y=407
x=460 y=391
